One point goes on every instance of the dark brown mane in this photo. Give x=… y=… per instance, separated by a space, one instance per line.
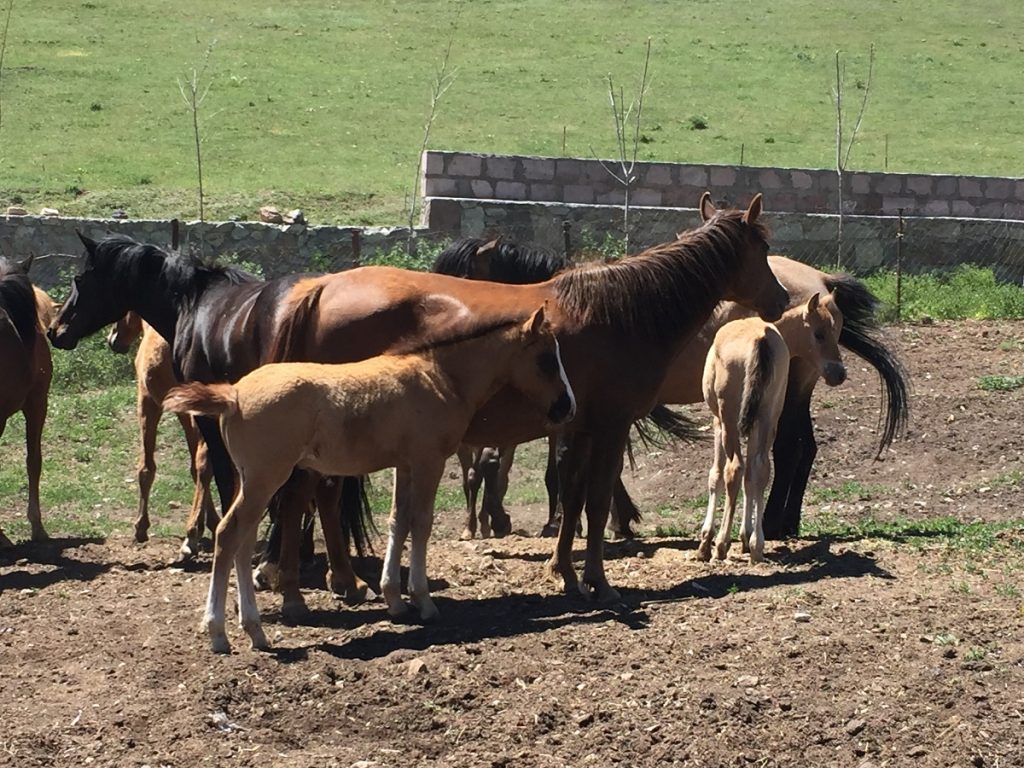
x=658 y=292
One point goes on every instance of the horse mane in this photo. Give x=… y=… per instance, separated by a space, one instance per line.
x=451 y=337
x=861 y=334
x=657 y=292
x=18 y=301
x=510 y=262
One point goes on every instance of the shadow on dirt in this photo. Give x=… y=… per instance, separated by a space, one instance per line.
x=51 y=552
x=472 y=621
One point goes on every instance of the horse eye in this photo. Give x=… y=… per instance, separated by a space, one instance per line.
x=548 y=363
x=819 y=335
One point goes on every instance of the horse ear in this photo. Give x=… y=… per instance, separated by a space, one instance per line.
x=535 y=325
x=812 y=306
x=25 y=265
x=753 y=211
x=482 y=261
x=88 y=242
x=707 y=208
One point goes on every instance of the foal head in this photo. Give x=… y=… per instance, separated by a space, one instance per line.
x=817 y=340
x=125 y=331
x=753 y=283
x=537 y=370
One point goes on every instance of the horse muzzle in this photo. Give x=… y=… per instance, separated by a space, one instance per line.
x=562 y=410
x=60 y=337
x=834 y=374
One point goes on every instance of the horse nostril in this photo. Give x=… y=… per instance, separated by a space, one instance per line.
x=561 y=409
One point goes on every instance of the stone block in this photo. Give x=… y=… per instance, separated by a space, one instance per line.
x=801 y=180
x=962 y=208
x=768 y=179
x=568 y=171
x=936 y=207
x=1018 y=190
x=658 y=175
x=501 y=167
x=991 y=210
x=439 y=187
x=722 y=176
x=433 y=163
x=919 y=185
x=651 y=197
x=945 y=186
x=891 y=204
x=612 y=197
x=482 y=189
x=545 y=192
x=970 y=188
x=694 y=176
x=443 y=215
x=887 y=184
x=538 y=169
x=998 y=189
x=510 y=190
x=1013 y=211
x=465 y=165
x=578 y=193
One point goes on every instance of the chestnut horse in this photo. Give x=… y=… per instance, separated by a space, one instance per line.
x=154 y=377
x=27 y=368
x=619 y=325
x=744 y=386
x=407 y=411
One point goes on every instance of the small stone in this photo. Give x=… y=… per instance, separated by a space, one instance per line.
x=364 y=764
x=49 y=212
x=119 y=213
x=919 y=751
x=294 y=217
x=584 y=720
x=16 y=210
x=855 y=726
x=801 y=617
x=747 y=681
x=416 y=666
x=270 y=215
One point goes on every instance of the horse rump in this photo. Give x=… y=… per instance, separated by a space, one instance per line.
x=759 y=373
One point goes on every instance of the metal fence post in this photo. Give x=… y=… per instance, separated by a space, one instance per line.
x=567 y=238
x=899 y=268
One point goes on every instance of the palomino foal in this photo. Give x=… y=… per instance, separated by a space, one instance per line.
x=745 y=378
x=408 y=411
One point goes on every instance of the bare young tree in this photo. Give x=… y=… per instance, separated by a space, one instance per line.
x=443 y=79
x=194 y=92
x=843 y=157
x=623 y=168
x=3 y=52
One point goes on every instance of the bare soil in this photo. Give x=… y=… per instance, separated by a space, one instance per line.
x=845 y=651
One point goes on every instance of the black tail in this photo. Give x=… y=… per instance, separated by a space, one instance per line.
x=291 y=336
x=759 y=371
x=861 y=335
x=356 y=518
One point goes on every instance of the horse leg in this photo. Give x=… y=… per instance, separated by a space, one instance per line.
x=232 y=532
x=733 y=481
x=716 y=482
x=422 y=492
x=604 y=466
x=294 y=498
x=492 y=507
x=793 y=454
x=555 y=450
x=471 y=479
x=399 y=523
x=220 y=460
x=572 y=468
x=755 y=481
x=204 y=475
x=35 y=416
x=248 y=611
x=624 y=512
x=193 y=529
x=341 y=577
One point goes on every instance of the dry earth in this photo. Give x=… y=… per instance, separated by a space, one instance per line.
x=865 y=650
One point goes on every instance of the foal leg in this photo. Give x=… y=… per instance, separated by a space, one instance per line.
x=35 y=416
x=716 y=482
x=341 y=577
x=492 y=508
x=604 y=468
x=294 y=499
x=149 y=413
x=733 y=482
x=471 y=478
x=422 y=492
x=399 y=523
x=248 y=611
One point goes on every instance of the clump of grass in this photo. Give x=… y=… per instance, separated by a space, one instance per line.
x=968 y=291
x=999 y=383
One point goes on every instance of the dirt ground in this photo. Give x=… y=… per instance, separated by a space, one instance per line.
x=838 y=651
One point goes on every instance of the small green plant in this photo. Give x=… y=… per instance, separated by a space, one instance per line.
x=1007 y=590
x=321 y=262
x=999 y=383
x=976 y=653
x=698 y=122
x=850 y=490
x=945 y=638
x=733 y=588
x=421 y=258
x=962 y=587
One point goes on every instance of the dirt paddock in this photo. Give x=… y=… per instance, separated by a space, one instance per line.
x=871 y=646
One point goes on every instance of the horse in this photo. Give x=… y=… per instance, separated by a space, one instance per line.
x=25 y=311
x=744 y=385
x=502 y=261
x=154 y=377
x=408 y=411
x=220 y=323
x=619 y=326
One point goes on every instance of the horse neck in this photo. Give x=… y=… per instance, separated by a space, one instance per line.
x=794 y=332
x=474 y=369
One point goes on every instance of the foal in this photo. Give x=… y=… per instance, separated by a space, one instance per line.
x=408 y=411
x=154 y=377
x=745 y=378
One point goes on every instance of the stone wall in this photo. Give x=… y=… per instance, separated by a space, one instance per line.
x=680 y=185
x=278 y=249
x=869 y=242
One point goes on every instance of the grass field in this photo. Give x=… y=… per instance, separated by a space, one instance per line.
x=321 y=105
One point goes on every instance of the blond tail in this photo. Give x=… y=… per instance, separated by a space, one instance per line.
x=202 y=399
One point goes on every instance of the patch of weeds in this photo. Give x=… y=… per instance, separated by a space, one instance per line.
x=850 y=490
x=1012 y=345
x=733 y=588
x=1007 y=590
x=961 y=587
x=698 y=122
x=976 y=653
x=997 y=383
x=945 y=638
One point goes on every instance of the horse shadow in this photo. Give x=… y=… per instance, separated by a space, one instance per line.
x=52 y=552
x=470 y=620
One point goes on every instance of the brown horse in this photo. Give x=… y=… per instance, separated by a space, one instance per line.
x=620 y=325
x=407 y=411
x=744 y=385
x=25 y=312
x=154 y=377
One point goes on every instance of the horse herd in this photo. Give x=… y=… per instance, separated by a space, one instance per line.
x=302 y=384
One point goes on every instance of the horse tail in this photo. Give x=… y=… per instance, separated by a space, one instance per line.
x=862 y=335
x=663 y=422
x=202 y=399
x=292 y=332
x=760 y=366
x=356 y=517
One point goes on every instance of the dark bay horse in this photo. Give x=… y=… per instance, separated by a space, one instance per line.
x=220 y=323
x=619 y=325
x=25 y=311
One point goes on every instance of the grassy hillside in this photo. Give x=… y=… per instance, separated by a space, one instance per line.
x=321 y=105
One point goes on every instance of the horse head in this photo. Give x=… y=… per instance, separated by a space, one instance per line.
x=817 y=342
x=753 y=284
x=125 y=331
x=538 y=371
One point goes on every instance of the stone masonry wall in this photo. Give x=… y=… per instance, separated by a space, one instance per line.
x=680 y=185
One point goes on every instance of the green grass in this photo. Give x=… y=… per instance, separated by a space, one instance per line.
x=850 y=490
x=956 y=535
x=322 y=105
x=998 y=383
x=965 y=292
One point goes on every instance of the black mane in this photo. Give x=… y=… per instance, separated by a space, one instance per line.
x=510 y=262
x=18 y=300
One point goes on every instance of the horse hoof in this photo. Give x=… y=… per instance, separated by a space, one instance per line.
x=704 y=553
x=141 y=536
x=466 y=535
x=399 y=611
x=294 y=608
x=39 y=534
x=600 y=593
x=721 y=551
x=189 y=551
x=220 y=644
x=258 y=638
x=550 y=530
x=428 y=611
